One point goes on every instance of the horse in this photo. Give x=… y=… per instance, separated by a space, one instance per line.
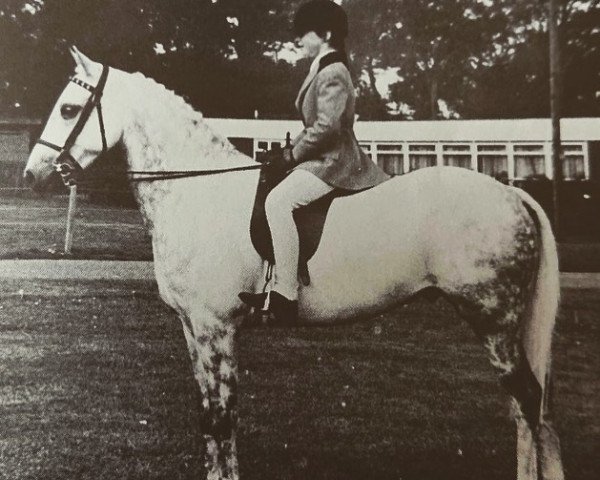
x=486 y=247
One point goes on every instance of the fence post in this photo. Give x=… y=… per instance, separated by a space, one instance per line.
x=70 y=218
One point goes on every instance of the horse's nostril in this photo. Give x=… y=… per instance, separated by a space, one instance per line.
x=29 y=178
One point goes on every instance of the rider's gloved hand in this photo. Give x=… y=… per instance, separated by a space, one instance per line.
x=288 y=157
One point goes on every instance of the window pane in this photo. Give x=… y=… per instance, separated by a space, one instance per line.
x=529 y=148
x=573 y=168
x=456 y=148
x=493 y=165
x=572 y=149
x=463 y=161
x=422 y=161
x=421 y=147
x=389 y=147
x=530 y=166
x=491 y=148
x=367 y=149
x=392 y=164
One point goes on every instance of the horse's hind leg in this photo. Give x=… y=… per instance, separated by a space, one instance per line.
x=538 y=451
x=549 y=444
x=538 y=446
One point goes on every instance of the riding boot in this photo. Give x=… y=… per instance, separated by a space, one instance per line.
x=256 y=300
x=284 y=311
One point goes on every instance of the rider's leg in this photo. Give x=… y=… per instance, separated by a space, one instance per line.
x=298 y=189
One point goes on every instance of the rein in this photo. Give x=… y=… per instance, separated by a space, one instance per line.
x=153 y=176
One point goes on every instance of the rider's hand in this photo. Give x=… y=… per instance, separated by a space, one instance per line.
x=288 y=157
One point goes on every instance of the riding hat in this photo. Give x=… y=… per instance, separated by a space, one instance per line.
x=321 y=16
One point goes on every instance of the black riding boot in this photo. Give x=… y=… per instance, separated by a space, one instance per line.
x=284 y=311
x=256 y=300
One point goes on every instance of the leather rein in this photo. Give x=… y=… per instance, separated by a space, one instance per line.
x=69 y=168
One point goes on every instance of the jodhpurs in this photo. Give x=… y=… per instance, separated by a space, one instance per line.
x=298 y=189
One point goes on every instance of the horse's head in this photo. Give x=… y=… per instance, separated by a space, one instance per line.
x=82 y=124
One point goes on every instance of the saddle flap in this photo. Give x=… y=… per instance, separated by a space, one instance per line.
x=309 y=221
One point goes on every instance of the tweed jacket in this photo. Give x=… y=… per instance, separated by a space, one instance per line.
x=327 y=146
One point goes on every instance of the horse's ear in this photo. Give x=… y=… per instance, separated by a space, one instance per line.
x=81 y=61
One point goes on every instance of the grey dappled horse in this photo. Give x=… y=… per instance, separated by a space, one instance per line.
x=487 y=247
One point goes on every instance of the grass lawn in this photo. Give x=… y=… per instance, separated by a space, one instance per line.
x=34 y=228
x=88 y=392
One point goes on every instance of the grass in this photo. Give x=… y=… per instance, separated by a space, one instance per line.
x=32 y=228
x=88 y=392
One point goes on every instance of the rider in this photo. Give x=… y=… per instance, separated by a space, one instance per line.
x=323 y=157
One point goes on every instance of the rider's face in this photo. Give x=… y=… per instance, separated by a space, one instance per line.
x=311 y=43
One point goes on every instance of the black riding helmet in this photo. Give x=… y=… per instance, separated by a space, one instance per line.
x=321 y=16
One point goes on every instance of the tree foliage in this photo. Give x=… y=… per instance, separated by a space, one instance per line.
x=479 y=58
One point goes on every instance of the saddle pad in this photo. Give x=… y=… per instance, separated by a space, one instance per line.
x=309 y=222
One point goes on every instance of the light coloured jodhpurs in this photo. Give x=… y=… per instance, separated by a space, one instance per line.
x=298 y=189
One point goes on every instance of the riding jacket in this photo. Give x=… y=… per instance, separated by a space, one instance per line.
x=327 y=146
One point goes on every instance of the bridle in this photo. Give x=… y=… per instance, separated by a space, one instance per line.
x=69 y=168
x=65 y=164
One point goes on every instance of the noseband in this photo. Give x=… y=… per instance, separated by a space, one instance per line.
x=65 y=164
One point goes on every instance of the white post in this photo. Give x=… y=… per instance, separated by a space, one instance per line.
x=70 y=218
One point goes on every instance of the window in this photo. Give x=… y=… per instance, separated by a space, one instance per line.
x=367 y=149
x=492 y=160
x=264 y=145
x=422 y=155
x=529 y=161
x=390 y=158
x=457 y=155
x=573 y=162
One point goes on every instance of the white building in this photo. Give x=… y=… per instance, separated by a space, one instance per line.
x=509 y=149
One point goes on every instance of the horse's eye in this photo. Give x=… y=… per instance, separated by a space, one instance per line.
x=69 y=112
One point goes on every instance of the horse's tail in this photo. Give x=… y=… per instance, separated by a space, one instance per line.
x=538 y=446
x=538 y=324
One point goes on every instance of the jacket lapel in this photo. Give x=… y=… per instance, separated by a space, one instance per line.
x=328 y=59
x=307 y=81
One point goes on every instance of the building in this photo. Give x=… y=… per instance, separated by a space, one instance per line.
x=510 y=150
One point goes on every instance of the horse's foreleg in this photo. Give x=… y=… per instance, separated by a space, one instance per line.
x=211 y=350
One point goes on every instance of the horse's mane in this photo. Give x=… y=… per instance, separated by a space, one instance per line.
x=168 y=133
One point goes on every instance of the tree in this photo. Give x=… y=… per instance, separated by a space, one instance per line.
x=481 y=58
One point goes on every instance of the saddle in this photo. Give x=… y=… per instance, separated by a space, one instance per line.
x=309 y=220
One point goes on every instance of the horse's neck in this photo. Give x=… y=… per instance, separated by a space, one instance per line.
x=162 y=134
